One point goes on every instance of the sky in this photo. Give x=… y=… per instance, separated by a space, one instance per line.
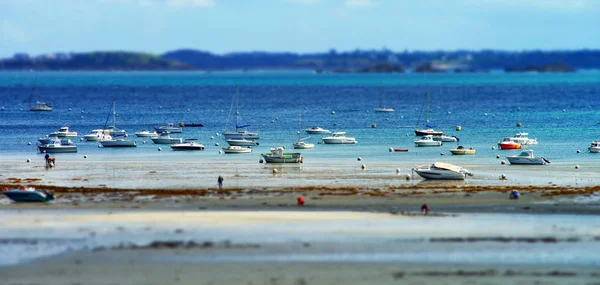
x=301 y=26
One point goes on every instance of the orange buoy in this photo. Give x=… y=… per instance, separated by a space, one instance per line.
x=425 y=209
x=300 y=201
x=22 y=188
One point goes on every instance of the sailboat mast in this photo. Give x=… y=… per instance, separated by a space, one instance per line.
x=427 y=107
x=237 y=112
x=380 y=98
x=298 y=126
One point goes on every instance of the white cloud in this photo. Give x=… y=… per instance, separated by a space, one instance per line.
x=359 y=3
x=191 y=3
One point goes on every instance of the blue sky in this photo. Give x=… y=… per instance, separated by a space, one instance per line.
x=221 y=26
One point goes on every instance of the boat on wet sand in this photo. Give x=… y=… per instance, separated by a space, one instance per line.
x=526 y=157
x=277 y=156
x=28 y=195
x=442 y=171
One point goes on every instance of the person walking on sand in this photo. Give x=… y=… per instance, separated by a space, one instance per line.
x=47 y=158
x=220 y=181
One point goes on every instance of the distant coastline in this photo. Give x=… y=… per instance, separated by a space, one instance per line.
x=373 y=61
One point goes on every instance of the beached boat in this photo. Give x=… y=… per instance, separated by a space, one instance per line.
x=427 y=140
x=508 y=143
x=277 y=156
x=594 y=147
x=57 y=147
x=382 y=108
x=146 y=134
x=442 y=171
x=317 y=130
x=234 y=149
x=429 y=130
x=188 y=144
x=168 y=128
x=523 y=139
x=339 y=138
x=64 y=132
x=115 y=141
x=165 y=138
x=242 y=142
x=526 y=157
x=239 y=133
x=461 y=150
x=28 y=195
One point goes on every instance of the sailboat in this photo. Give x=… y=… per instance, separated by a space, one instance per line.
x=429 y=130
x=381 y=107
x=239 y=134
x=110 y=141
x=300 y=144
x=38 y=106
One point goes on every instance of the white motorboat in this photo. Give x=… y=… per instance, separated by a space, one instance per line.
x=165 y=138
x=461 y=150
x=93 y=136
x=445 y=138
x=146 y=133
x=51 y=138
x=116 y=140
x=38 y=106
x=234 y=149
x=429 y=130
x=339 y=138
x=594 y=147
x=523 y=139
x=169 y=127
x=57 y=147
x=241 y=142
x=64 y=132
x=239 y=133
x=277 y=156
x=508 y=143
x=189 y=144
x=442 y=171
x=317 y=130
x=427 y=141
x=381 y=107
x=526 y=157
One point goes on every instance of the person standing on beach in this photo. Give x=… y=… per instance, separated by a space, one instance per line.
x=47 y=158
x=220 y=181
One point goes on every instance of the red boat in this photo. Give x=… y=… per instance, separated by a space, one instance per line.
x=401 y=150
x=507 y=143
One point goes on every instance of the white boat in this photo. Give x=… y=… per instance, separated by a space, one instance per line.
x=427 y=141
x=169 y=127
x=93 y=136
x=381 y=107
x=594 y=147
x=38 y=106
x=300 y=144
x=339 y=138
x=64 y=132
x=57 y=147
x=445 y=138
x=526 y=157
x=277 y=156
x=51 y=138
x=115 y=141
x=429 y=130
x=442 y=171
x=461 y=150
x=165 y=138
x=146 y=133
x=111 y=131
x=241 y=142
x=237 y=149
x=508 y=143
x=189 y=144
x=523 y=139
x=317 y=130
x=239 y=134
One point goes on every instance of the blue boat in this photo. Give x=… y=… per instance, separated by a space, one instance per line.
x=29 y=196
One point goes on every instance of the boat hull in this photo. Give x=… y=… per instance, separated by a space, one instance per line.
x=167 y=140
x=509 y=146
x=338 y=141
x=118 y=143
x=421 y=133
x=237 y=151
x=241 y=142
x=428 y=143
x=463 y=151
x=239 y=136
x=526 y=160
x=57 y=149
x=285 y=158
x=439 y=175
x=317 y=131
x=27 y=196
x=187 y=147
x=301 y=145
x=594 y=149
x=384 y=110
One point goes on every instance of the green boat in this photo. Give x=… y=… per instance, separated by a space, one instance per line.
x=277 y=156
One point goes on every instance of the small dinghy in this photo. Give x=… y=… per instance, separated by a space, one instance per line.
x=24 y=195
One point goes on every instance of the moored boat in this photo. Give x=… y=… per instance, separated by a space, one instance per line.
x=339 y=138
x=523 y=139
x=52 y=138
x=526 y=157
x=445 y=138
x=317 y=130
x=427 y=140
x=57 y=147
x=169 y=127
x=146 y=133
x=442 y=171
x=429 y=130
x=461 y=150
x=116 y=140
x=508 y=143
x=594 y=147
x=189 y=144
x=28 y=195
x=239 y=133
x=234 y=149
x=64 y=132
x=118 y=143
x=277 y=156
x=242 y=142
x=165 y=138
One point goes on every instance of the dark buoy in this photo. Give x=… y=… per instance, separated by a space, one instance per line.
x=518 y=124
x=514 y=194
